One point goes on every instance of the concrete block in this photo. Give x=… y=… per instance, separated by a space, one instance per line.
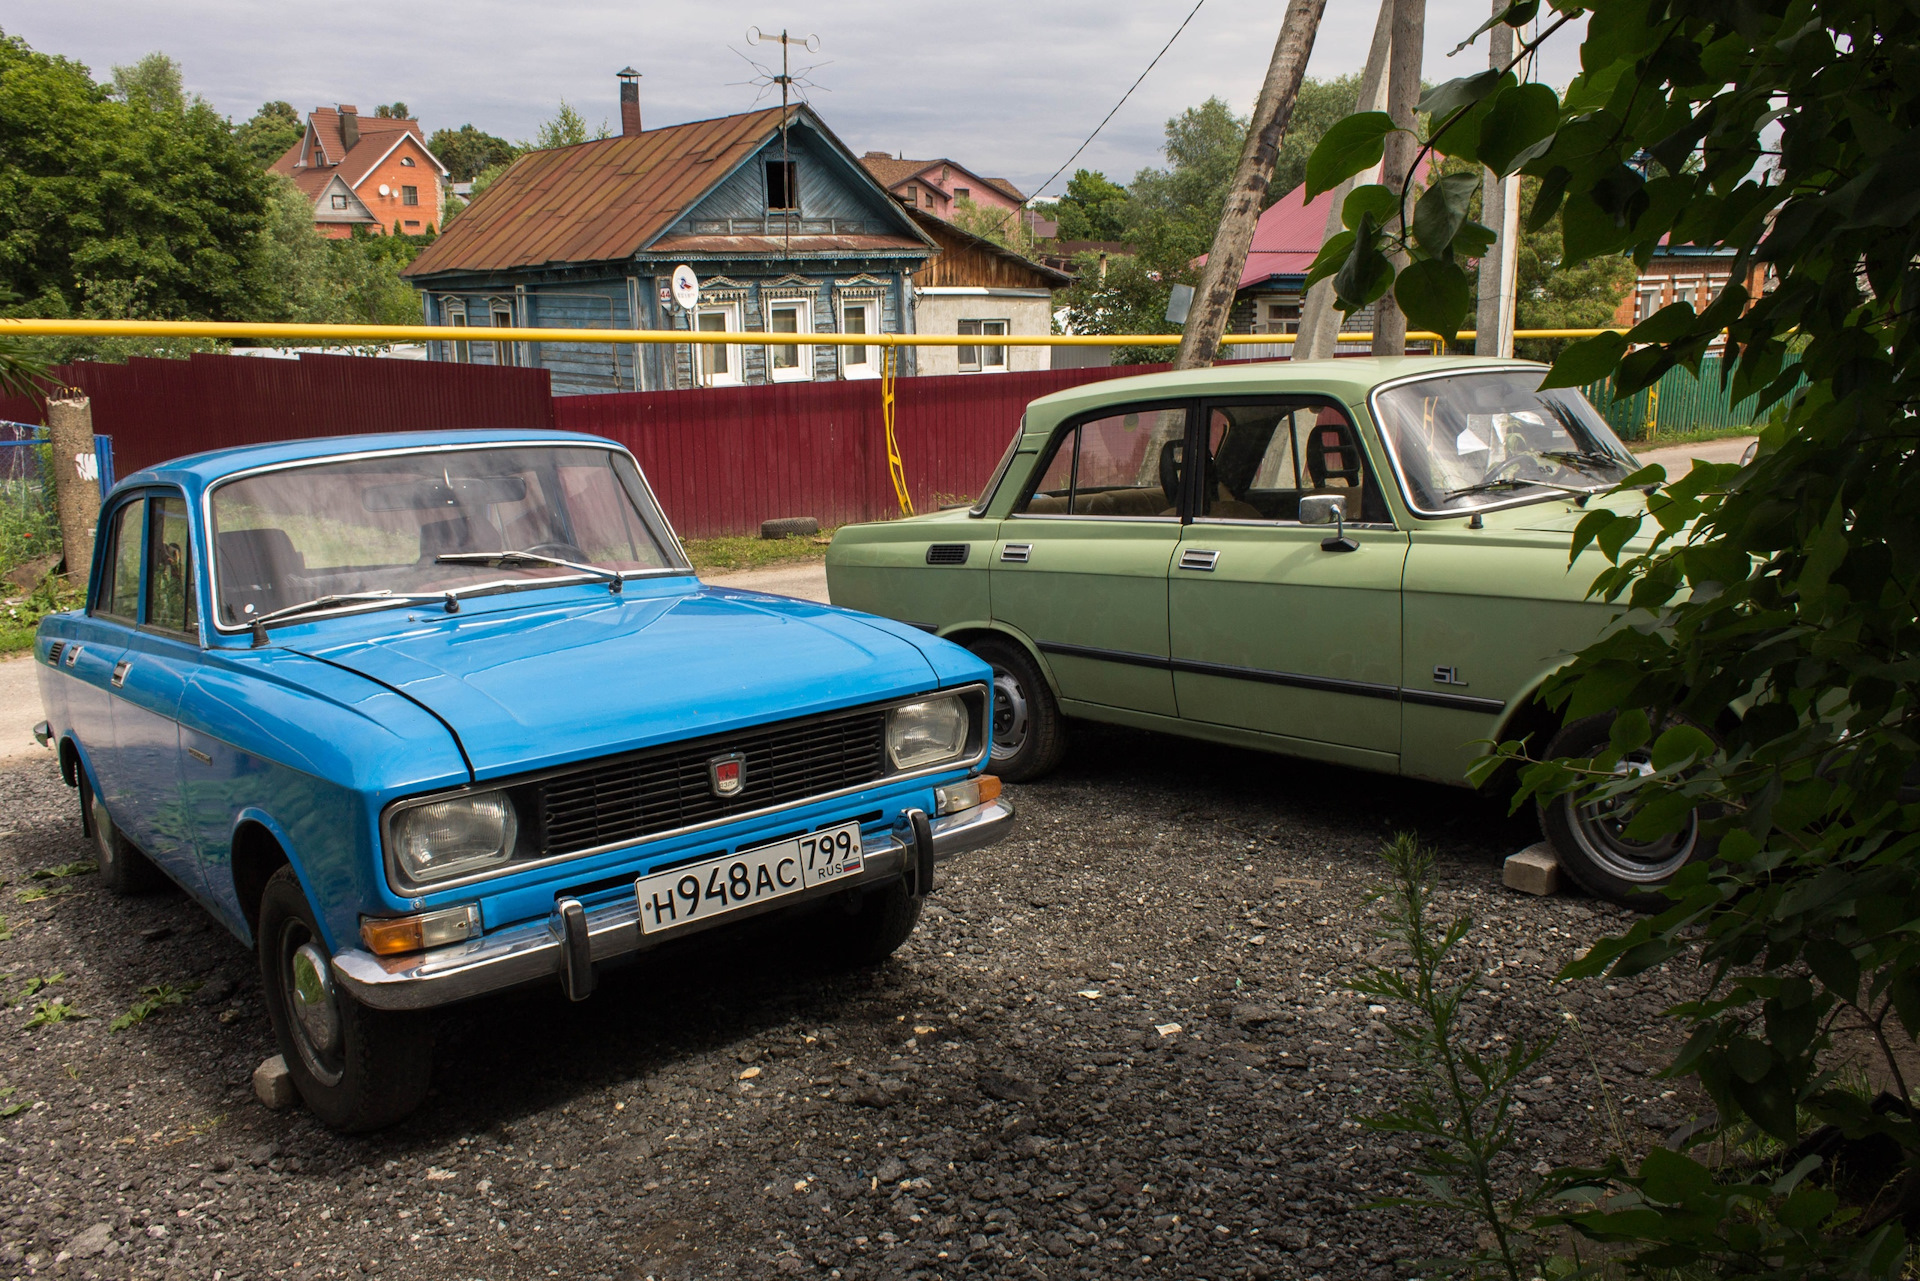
x=1534 y=870
x=785 y=525
x=273 y=1084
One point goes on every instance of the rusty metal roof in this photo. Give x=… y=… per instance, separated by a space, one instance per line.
x=798 y=243
x=597 y=201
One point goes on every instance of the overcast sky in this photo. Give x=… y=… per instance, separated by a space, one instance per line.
x=1007 y=87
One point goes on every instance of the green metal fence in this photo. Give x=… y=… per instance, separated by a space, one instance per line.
x=1678 y=403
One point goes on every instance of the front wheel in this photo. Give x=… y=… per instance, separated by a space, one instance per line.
x=357 y=1068
x=858 y=936
x=1029 y=733
x=1590 y=839
x=124 y=870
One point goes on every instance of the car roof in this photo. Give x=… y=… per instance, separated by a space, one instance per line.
x=196 y=471
x=1350 y=377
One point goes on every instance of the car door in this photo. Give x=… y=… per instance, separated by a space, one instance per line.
x=152 y=673
x=1274 y=625
x=94 y=657
x=1081 y=565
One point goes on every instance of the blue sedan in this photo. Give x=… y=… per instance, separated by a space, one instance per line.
x=425 y=716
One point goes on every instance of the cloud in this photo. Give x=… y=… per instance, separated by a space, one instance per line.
x=1009 y=87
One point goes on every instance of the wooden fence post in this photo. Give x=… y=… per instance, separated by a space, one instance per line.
x=76 y=479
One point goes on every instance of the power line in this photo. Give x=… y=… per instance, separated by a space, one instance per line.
x=1123 y=98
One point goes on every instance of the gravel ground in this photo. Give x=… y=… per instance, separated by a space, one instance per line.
x=1009 y=1097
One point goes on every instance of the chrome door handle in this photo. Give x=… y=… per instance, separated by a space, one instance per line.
x=1016 y=553
x=120 y=672
x=1196 y=558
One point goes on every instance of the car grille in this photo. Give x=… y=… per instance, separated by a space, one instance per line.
x=630 y=797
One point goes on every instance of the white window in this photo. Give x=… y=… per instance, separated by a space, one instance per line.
x=1688 y=291
x=456 y=314
x=981 y=360
x=718 y=363
x=789 y=362
x=1279 y=318
x=502 y=311
x=1646 y=300
x=860 y=318
x=407 y=161
x=339 y=201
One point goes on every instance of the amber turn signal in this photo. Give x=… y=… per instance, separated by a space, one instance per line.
x=395 y=935
x=965 y=794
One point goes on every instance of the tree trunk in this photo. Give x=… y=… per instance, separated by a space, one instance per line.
x=1319 y=330
x=1220 y=281
x=76 y=483
x=1403 y=92
x=1500 y=210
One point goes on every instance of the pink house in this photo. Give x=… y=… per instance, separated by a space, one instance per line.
x=937 y=186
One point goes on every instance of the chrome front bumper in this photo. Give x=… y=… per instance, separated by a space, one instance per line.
x=573 y=938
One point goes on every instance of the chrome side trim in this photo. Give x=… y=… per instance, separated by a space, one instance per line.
x=538 y=950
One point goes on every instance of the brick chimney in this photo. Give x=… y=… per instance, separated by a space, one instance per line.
x=629 y=102
x=349 y=126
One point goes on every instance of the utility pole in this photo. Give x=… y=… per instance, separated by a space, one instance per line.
x=1500 y=210
x=76 y=478
x=1403 y=92
x=1319 y=328
x=1213 y=301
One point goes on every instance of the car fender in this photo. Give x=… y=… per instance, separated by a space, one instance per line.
x=229 y=904
x=960 y=633
x=82 y=763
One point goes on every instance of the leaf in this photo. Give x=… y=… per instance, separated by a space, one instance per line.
x=1834 y=965
x=1352 y=144
x=1434 y=295
x=1367 y=273
x=1473 y=240
x=1374 y=198
x=1520 y=117
x=1673 y=1177
x=1553 y=188
x=1586 y=361
x=1442 y=101
x=1441 y=210
x=1808 y=1208
x=1331 y=256
x=1517 y=14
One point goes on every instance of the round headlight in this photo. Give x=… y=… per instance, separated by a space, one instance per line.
x=448 y=838
x=927 y=733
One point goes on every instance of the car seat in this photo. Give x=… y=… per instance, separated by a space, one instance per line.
x=254 y=567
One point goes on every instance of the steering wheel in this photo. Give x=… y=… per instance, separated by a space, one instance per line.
x=559 y=551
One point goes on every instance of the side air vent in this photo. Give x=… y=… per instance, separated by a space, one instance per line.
x=53 y=655
x=1195 y=558
x=948 y=553
x=1016 y=553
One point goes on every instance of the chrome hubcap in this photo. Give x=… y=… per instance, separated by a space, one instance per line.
x=1601 y=828
x=312 y=1002
x=1010 y=715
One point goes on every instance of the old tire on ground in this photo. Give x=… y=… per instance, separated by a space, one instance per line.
x=123 y=868
x=872 y=931
x=357 y=1068
x=1589 y=839
x=789 y=527
x=1029 y=733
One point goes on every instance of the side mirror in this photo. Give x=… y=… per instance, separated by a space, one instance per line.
x=1328 y=509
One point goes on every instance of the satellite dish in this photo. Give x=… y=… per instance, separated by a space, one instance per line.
x=686 y=287
x=385 y=190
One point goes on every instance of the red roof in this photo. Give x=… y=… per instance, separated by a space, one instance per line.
x=322 y=152
x=1288 y=237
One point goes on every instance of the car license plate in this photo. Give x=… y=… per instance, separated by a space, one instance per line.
x=701 y=891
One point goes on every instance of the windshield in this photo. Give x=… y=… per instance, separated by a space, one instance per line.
x=1479 y=439
x=368 y=525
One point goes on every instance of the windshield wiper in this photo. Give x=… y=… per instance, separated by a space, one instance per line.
x=612 y=578
x=384 y=597
x=1514 y=483
x=1585 y=459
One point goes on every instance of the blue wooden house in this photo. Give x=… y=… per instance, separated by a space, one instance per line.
x=786 y=230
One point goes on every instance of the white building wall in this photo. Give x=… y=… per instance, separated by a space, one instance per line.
x=939 y=310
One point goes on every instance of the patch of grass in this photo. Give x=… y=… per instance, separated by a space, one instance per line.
x=56 y=1010
x=1670 y=439
x=60 y=870
x=729 y=555
x=38 y=892
x=153 y=998
x=19 y=621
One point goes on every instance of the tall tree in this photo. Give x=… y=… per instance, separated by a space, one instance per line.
x=1092 y=208
x=393 y=111
x=155 y=82
x=467 y=151
x=567 y=128
x=1173 y=211
x=273 y=129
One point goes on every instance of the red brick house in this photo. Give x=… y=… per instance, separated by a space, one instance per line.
x=366 y=171
x=937 y=186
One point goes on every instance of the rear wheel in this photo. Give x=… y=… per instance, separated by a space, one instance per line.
x=1590 y=839
x=123 y=868
x=357 y=1068
x=1029 y=733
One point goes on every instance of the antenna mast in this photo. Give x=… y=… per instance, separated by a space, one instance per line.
x=786 y=81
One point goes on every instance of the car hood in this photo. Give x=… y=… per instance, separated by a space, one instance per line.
x=530 y=688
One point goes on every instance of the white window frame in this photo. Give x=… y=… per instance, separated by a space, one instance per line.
x=1647 y=298
x=870 y=308
x=504 y=354
x=972 y=360
x=803 y=324
x=729 y=313
x=454 y=312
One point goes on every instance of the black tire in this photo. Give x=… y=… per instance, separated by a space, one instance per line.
x=1587 y=839
x=862 y=936
x=1029 y=733
x=124 y=870
x=368 y=1068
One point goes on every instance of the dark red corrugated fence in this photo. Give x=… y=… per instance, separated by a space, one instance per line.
x=721 y=459
x=161 y=409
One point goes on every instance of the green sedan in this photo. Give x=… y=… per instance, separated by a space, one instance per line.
x=1362 y=561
